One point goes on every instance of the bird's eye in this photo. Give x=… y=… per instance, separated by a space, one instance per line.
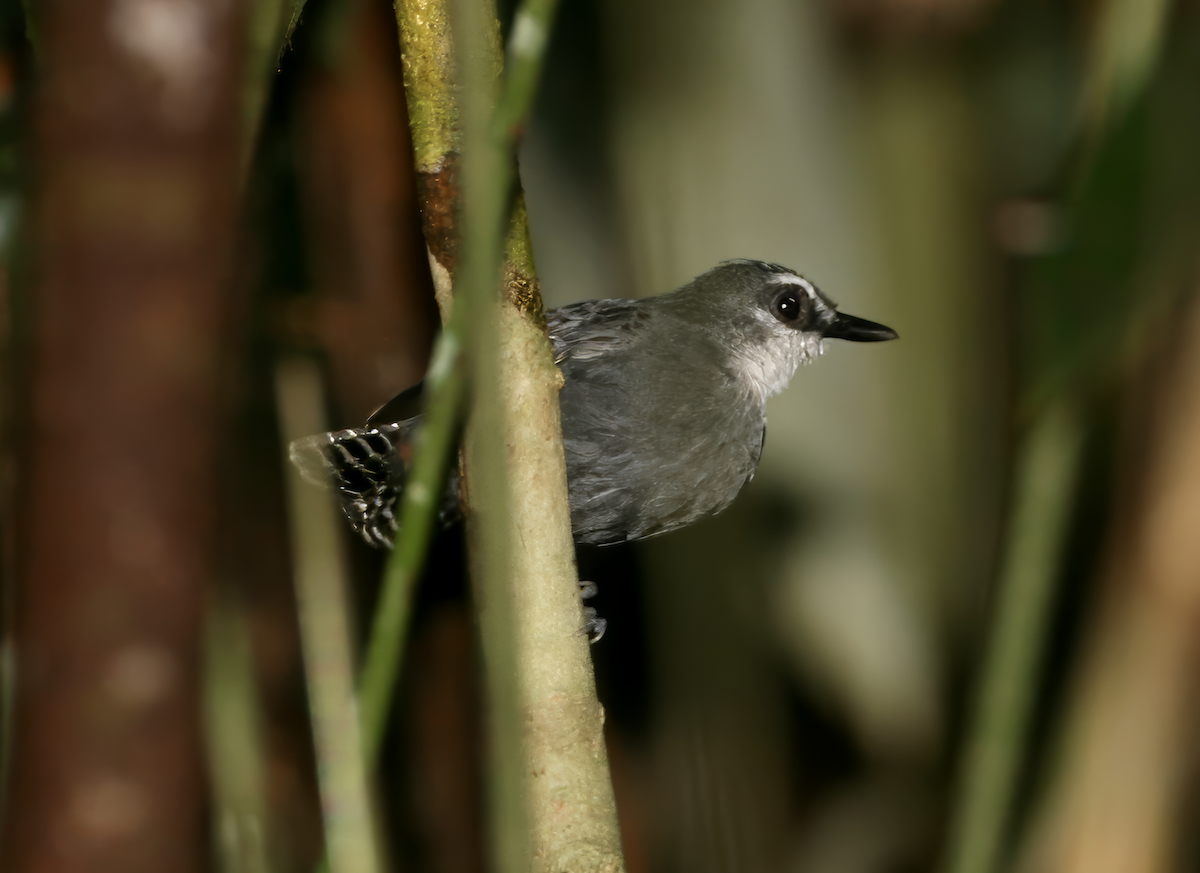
x=786 y=307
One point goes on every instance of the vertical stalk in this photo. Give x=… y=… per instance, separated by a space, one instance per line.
x=485 y=168
x=234 y=739
x=1047 y=471
x=269 y=26
x=551 y=795
x=321 y=594
x=135 y=128
x=446 y=383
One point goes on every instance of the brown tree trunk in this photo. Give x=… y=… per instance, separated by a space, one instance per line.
x=375 y=317
x=137 y=136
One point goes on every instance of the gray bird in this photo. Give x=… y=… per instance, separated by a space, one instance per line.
x=663 y=404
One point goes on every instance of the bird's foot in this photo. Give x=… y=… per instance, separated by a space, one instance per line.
x=593 y=625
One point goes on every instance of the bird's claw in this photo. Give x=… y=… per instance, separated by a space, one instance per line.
x=593 y=625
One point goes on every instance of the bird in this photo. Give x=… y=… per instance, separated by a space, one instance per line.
x=663 y=404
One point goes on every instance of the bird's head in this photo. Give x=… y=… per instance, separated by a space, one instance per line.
x=771 y=320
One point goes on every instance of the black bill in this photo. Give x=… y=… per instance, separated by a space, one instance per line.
x=857 y=330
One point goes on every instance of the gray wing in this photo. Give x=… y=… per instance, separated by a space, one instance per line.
x=585 y=331
x=651 y=432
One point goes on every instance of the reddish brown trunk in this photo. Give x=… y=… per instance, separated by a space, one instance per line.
x=134 y=210
x=375 y=319
x=376 y=316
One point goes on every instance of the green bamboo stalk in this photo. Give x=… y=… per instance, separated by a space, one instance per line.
x=1047 y=472
x=446 y=385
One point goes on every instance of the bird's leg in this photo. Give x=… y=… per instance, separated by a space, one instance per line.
x=593 y=625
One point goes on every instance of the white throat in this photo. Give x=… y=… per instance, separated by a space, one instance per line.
x=766 y=370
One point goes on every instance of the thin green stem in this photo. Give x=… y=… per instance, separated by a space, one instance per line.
x=445 y=384
x=269 y=28
x=526 y=52
x=1047 y=472
x=321 y=594
x=486 y=175
x=489 y=134
x=233 y=734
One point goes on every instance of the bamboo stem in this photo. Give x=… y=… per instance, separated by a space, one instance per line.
x=1046 y=475
x=550 y=792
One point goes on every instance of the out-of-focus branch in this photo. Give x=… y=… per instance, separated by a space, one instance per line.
x=1119 y=797
x=1046 y=476
x=550 y=790
x=485 y=172
x=269 y=28
x=234 y=740
x=322 y=595
x=1123 y=50
x=446 y=383
x=31 y=24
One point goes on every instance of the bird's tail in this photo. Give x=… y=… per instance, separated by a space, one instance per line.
x=368 y=467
